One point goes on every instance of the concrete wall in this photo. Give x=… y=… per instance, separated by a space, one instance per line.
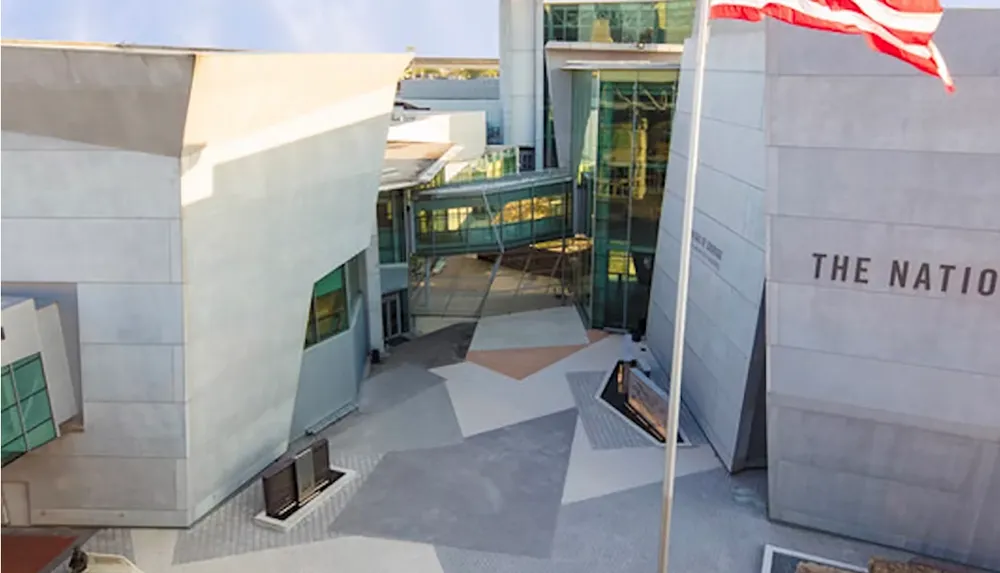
x=520 y=63
x=61 y=392
x=395 y=277
x=480 y=94
x=190 y=341
x=266 y=213
x=727 y=267
x=491 y=108
x=73 y=164
x=478 y=89
x=330 y=375
x=370 y=275
x=20 y=330
x=464 y=128
x=883 y=397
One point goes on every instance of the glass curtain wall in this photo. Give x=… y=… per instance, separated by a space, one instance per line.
x=389 y=214
x=620 y=22
x=617 y=23
x=623 y=164
x=516 y=217
x=493 y=164
x=27 y=413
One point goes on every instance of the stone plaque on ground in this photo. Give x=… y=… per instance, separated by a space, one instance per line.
x=647 y=400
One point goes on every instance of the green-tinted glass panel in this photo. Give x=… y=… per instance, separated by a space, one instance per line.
x=41 y=434
x=632 y=112
x=8 y=388
x=678 y=19
x=36 y=409
x=11 y=425
x=14 y=447
x=28 y=376
x=625 y=22
x=331 y=314
x=311 y=337
x=331 y=282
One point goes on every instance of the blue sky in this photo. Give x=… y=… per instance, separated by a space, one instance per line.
x=433 y=27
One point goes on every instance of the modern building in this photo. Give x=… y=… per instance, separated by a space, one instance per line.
x=589 y=88
x=844 y=312
x=189 y=277
x=457 y=84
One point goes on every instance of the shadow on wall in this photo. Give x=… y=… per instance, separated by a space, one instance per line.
x=330 y=376
x=260 y=231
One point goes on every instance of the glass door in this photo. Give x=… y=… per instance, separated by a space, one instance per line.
x=394 y=319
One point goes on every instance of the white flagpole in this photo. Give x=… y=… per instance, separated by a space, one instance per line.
x=683 y=276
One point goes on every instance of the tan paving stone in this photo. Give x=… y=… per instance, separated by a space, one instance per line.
x=522 y=362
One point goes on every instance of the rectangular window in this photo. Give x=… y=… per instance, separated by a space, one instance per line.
x=328 y=310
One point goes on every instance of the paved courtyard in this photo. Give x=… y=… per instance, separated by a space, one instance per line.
x=501 y=462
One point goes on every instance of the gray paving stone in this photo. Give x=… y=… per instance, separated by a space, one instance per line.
x=113 y=541
x=464 y=561
x=425 y=420
x=615 y=533
x=498 y=491
x=720 y=524
x=605 y=430
x=230 y=529
x=392 y=387
x=620 y=529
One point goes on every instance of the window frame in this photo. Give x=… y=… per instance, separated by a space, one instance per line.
x=336 y=308
x=16 y=408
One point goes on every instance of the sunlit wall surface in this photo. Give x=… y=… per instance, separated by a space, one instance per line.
x=626 y=23
x=621 y=140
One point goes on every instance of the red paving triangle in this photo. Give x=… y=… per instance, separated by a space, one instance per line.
x=596 y=335
x=521 y=362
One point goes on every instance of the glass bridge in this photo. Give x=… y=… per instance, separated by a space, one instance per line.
x=493 y=215
x=512 y=231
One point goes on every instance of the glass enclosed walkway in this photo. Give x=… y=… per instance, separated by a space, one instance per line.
x=493 y=215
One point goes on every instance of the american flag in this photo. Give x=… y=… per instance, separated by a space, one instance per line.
x=900 y=28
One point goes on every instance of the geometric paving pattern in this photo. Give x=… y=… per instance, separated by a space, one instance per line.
x=595 y=473
x=389 y=388
x=520 y=344
x=425 y=420
x=605 y=428
x=467 y=470
x=471 y=495
x=558 y=326
x=521 y=363
x=230 y=530
x=485 y=400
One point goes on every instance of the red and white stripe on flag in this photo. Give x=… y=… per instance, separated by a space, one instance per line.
x=900 y=28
